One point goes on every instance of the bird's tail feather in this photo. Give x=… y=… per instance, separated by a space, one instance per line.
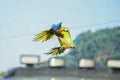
x=56 y=51
x=44 y=36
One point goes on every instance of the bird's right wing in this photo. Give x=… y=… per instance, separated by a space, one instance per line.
x=44 y=36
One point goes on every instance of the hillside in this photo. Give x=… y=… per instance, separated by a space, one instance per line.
x=99 y=45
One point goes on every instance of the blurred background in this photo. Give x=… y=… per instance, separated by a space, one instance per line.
x=95 y=22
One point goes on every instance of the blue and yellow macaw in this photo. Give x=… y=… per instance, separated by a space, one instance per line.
x=63 y=35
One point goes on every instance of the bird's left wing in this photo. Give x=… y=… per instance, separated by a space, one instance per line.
x=44 y=36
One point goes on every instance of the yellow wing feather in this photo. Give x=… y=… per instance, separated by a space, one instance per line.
x=44 y=36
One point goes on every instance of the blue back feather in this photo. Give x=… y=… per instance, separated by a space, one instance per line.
x=56 y=26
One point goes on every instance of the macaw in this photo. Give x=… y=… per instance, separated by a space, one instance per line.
x=63 y=36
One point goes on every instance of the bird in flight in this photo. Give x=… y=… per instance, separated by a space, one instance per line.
x=63 y=36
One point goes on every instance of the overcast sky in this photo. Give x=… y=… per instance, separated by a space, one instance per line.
x=20 y=20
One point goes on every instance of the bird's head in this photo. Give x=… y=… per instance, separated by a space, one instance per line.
x=64 y=29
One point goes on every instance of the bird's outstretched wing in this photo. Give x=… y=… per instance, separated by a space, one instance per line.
x=44 y=36
x=48 y=34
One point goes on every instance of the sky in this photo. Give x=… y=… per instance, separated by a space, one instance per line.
x=21 y=20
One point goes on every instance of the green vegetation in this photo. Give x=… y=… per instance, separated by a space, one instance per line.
x=99 y=45
x=2 y=74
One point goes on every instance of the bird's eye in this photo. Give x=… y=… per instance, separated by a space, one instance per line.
x=66 y=30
